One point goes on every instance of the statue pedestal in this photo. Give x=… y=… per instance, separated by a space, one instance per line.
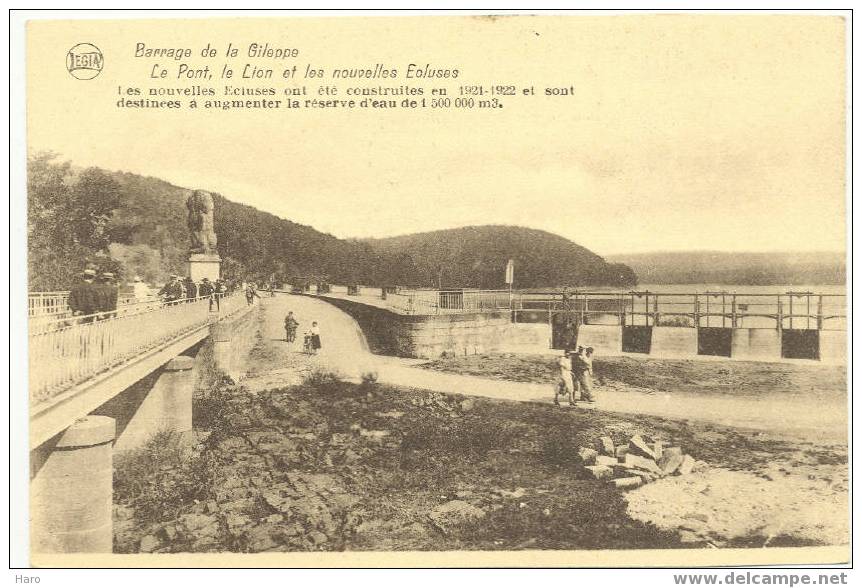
x=204 y=265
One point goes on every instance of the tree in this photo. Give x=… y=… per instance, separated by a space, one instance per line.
x=67 y=220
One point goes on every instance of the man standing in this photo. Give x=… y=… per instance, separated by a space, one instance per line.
x=290 y=324
x=206 y=291
x=82 y=297
x=107 y=296
x=191 y=288
x=582 y=367
x=250 y=293
x=565 y=384
x=173 y=290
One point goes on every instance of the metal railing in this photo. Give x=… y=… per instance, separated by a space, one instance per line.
x=67 y=352
x=47 y=303
x=789 y=310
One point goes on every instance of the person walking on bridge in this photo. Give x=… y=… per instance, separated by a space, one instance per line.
x=191 y=288
x=106 y=296
x=250 y=293
x=82 y=297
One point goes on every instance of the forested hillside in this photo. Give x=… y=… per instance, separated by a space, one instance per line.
x=137 y=225
x=476 y=257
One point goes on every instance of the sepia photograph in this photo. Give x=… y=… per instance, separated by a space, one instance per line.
x=435 y=290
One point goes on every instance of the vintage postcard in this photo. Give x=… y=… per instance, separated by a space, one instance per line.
x=437 y=289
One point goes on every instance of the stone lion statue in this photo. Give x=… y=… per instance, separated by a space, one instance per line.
x=201 y=226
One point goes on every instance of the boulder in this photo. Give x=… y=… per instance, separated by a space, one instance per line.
x=607 y=445
x=639 y=447
x=588 y=456
x=149 y=543
x=632 y=482
x=621 y=450
x=670 y=455
x=641 y=463
x=454 y=513
x=604 y=460
x=600 y=472
x=686 y=466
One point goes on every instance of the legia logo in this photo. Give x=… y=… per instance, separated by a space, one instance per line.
x=84 y=61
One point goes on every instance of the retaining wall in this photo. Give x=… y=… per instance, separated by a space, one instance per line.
x=430 y=337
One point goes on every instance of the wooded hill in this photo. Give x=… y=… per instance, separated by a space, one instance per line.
x=133 y=224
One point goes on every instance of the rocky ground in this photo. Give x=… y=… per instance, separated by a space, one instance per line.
x=294 y=459
x=329 y=465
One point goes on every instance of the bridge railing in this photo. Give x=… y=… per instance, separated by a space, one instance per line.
x=69 y=352
x=47 y=303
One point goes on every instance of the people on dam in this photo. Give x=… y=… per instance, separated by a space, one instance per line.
x=290 y=325
x=582 y=367
x=565 y=383
x=315 y=337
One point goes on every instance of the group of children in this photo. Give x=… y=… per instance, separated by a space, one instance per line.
x=576 y=373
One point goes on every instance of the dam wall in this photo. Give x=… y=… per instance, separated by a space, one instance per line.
x=430 y=337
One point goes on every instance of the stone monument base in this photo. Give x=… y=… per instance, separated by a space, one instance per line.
x=204 y=265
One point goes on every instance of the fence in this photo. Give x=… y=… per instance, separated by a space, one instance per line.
x=69 y=351
x=790 y=310
x=47 y=304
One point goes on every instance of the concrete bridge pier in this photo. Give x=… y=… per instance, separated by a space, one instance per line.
x=167 y=406
x=72 y=494
x=232 y=339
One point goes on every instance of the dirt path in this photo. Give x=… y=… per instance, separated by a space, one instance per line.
x=346 y=352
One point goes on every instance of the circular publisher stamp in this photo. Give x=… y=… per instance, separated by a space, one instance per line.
x=84 y=61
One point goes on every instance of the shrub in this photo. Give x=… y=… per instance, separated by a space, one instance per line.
x=163 y=477
x=321 y=377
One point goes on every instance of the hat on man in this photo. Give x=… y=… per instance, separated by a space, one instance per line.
x=137 y=279
x=206 y=279
x=107 y=274
x=89 y=272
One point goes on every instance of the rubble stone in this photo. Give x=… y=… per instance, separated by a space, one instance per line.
x=631 y=482
x=641 y=463
x=604 y=460
x=453 y=513
x=587 y=455
x=639 y=447
x=607 y=446
x=686 y=466
x=600 y=472
x=149 y=543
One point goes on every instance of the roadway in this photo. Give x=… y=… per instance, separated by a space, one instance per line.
x=346 y=352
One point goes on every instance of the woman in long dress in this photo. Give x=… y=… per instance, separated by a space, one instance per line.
x=315 y=337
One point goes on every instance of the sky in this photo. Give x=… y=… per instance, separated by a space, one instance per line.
x=684 y=132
